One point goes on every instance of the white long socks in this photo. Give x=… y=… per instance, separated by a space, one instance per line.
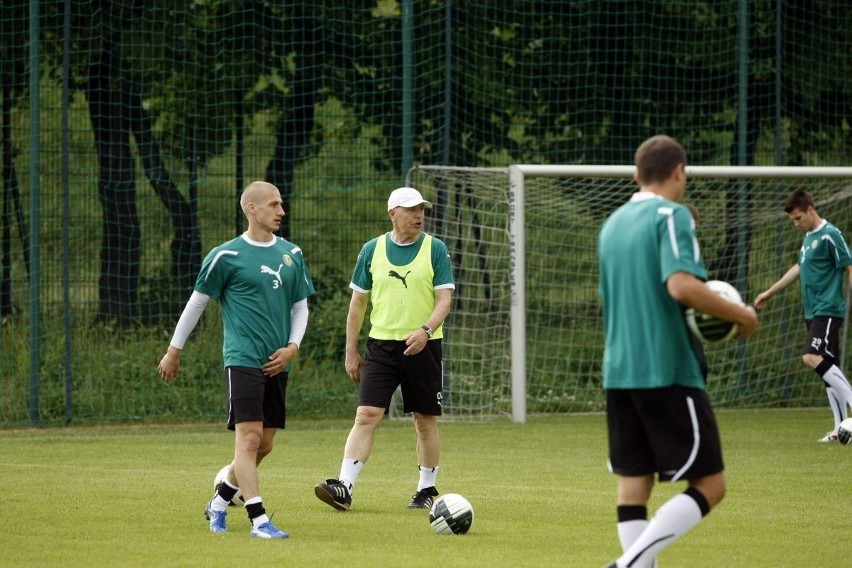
x=673 y=519
x=629 y=531
x=839 y=394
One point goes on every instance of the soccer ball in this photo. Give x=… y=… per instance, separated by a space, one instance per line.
x=451 y=514
x=220 y=477
x=709 y=328
x=844 y=431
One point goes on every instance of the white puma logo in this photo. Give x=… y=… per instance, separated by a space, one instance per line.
x=266 y=270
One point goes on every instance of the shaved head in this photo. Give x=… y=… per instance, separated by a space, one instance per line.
x=254 y=192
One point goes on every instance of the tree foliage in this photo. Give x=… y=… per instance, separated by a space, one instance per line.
x=492 y=82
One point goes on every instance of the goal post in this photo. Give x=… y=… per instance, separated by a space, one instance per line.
x=526 y=334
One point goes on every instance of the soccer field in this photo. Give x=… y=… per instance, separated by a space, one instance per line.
x=135 y=496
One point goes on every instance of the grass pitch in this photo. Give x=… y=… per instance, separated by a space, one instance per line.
x=134 y=496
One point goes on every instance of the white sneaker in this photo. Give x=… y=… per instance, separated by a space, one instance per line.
x=830 y=437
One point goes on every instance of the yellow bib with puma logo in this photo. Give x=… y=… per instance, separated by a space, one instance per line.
x=402 y=297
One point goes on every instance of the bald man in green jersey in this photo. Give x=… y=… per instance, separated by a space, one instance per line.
x=659 y=419
x=262 y=284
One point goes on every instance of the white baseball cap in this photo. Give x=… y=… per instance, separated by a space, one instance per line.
x=406 y=197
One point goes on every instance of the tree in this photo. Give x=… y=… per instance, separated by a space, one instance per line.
x=108 y=37
x=13 y=76
x=548 y=82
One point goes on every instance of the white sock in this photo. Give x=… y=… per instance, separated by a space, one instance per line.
x=675 y=518
x=839 y=393
x=349 y=471
x=427 y=477
x=835 y=405
x=218 y=504
x=629 y=531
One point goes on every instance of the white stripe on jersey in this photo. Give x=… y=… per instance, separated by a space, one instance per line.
x=696 y=254
x=216 y=259
x=834 y=245
x=670 y=223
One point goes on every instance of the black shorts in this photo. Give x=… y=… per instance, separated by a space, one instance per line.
x=255 y=397
x=420 y=376
x=668 y=431
x=824 y=337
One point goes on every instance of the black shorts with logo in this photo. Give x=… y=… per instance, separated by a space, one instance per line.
x=824 y=337
x=668 y=431
x=255 y=397
x=420 y=377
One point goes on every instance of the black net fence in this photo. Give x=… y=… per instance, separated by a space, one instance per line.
x=129 y=129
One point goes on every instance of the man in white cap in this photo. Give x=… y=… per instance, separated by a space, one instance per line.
x=406 y=276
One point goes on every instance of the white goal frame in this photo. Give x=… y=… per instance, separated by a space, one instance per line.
x=518 y=174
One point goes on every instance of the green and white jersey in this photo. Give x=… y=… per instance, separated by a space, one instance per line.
x=823 y=259
x=401 y=281
x=256 y=285
x=647 y=342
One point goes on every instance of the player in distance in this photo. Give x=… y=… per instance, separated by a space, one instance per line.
x=823 y=261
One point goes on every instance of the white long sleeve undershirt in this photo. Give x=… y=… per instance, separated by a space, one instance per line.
x=189 y=318
x=298 y=321
x=197 y=303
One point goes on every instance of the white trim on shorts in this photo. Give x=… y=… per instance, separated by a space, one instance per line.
x=696 y=440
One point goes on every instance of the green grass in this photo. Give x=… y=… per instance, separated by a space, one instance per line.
x=134 y=496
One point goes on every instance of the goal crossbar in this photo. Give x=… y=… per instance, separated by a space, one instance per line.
x=727 y=172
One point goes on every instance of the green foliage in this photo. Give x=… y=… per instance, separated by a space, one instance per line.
x=541 y=493
x=557 y=82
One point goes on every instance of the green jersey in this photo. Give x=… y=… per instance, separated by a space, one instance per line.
x=822 y=264
x=256 y=285
x=647 y=341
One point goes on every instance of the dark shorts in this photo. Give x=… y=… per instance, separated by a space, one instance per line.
x=824 y=337
x=668 y=431
x=420 y=377
x=254 y=397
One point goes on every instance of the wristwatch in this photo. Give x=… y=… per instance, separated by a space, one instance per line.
x=429 y=331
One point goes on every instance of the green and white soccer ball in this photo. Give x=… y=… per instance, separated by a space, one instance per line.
x=451 y=514
x=238 y=500
x=844 y=432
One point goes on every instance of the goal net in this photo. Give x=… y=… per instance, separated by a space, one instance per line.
x=526 y=333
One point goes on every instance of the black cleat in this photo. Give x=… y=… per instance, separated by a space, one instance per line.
x=335 y=493
x=423 y=499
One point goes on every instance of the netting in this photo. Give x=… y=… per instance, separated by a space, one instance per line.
x=128 y=129
x=745 y=240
